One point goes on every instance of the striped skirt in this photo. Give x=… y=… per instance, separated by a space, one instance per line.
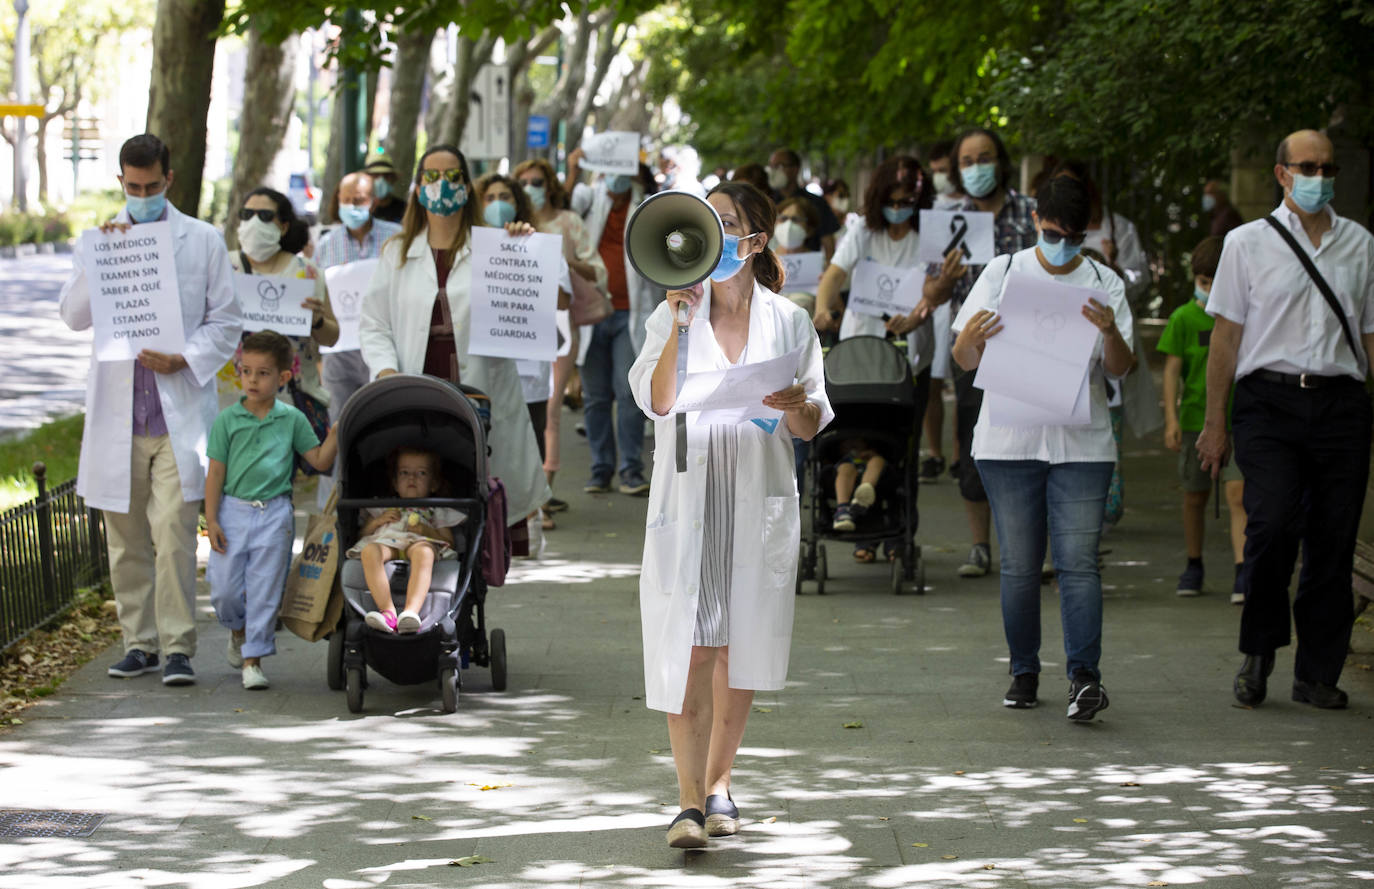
x=718 y=539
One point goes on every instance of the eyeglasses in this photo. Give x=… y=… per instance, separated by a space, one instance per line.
x=533 y=183
x=265 y=215
x=1053 y=237
x=1312 y=168
x=453 y=175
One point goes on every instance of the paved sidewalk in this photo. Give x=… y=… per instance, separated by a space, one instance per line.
x=43 y=366
x=566 y=780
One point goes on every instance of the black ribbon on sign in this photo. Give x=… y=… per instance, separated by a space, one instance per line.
x=958 y=239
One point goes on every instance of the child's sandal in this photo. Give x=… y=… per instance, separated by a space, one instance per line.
x=382 y=622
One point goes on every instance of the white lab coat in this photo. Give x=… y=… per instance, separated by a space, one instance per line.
x=213 y=324
x=643 y=295
x=394 y=333
x=767 y=515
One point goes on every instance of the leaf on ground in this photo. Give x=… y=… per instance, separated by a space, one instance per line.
x=655 y=751
x=1080 y=821
x=1129 y=784
x=855 y=724
x=16 y=721
x=763 y=709
x=989 y=867
x=920 y=845
x=491 y=786
x=420 y=818
x=771 y=819
x=1156 y=883
x=949 y=857
x=612 y=534
x=470 y=860
x=238 y=709
x=958 y=771
x=884 y=818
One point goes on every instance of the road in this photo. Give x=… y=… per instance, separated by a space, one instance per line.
x=42 y=364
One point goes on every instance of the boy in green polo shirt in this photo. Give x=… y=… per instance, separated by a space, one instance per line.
x=1187 y=340
x=248 y=512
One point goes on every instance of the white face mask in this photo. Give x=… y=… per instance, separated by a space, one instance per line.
x=841 y=205
x=789 y=234
x=777 y=179
x=942 y=183
x=260 y=240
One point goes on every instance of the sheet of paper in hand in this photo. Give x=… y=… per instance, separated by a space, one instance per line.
x=514 y=295
x=968 y=231
x=738 y=392
x=1006 y=411
x=876 y=289
x=347 y=283
x=1042 y=353
x=803 y=271
x=135 y=304
x=611 y=152
x=269 y=302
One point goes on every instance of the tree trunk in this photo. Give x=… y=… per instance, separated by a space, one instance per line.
x=269 y=96
x=41 y=149
x=574 y=74
x=407 y=90
x=472 y=55
x=629 y=110
x=334 y=155
x=608 y=44
x=179 y=94
x=518 y=57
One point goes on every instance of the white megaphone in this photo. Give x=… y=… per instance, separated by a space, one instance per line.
x=674 y=239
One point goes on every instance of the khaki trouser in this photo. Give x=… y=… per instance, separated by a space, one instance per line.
x=153 y=554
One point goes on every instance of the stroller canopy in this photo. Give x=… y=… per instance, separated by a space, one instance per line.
x=868 y=370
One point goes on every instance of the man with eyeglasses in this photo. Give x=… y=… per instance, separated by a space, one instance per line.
x=143 y=455
x=1293 y=299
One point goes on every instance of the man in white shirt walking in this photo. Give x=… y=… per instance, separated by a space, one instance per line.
x=1301 y=418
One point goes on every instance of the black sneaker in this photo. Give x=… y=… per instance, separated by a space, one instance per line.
x=979 y=561
x=1021 y=695
x=931 y=470
x=135 y=662
x=1190 y=581
x=1087 y=697
x=178 y=670
x=555 y=505
x=634 y=485
x=598 y=484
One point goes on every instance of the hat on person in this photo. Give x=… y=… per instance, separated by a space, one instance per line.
x=380 y=167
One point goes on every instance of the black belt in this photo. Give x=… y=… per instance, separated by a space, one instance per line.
x=1307 y=381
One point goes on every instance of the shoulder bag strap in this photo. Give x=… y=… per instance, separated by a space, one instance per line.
x=1317 y=279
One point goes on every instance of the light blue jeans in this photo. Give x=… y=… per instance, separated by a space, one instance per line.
x=246 y=581
x=1031 y=499
x=606 y=383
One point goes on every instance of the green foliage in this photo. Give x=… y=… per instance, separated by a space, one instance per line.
x=56 y=443
x=33 y=228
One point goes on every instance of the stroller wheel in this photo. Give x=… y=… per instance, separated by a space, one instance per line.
x=353 y=684
x=448 y=688
x=333 y=664
x=497 y=651
x=897 y=578
x=822 y=570
x=920 y=573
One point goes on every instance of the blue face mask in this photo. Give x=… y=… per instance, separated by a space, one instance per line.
x=498 y=213
x=618 y=184
x=1200 y=295
x=980 y=180
x=353 y=216
x=145 y=209
x=897 y=217
x=1209 y=203
x=537 y=196
x=443 y=198
x=381 y=188
x=1312 y=193
x=730 y=261
x=1057 y=254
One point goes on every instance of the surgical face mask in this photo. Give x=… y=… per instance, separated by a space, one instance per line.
x=381 y=188
x=498 y=213
x=895 y=216
x=618 y=184
x=260 y=240
x=145 y=209
x=537 y=195
x=1209 y=203
x=1200 y=295
x=777 y=178
x=841 y=205
x=790 y=234
x=1312 y=193
x=943 y=184
x=730 y=261
x=353 y=216
x=980 y=180
x=1058 y=254
x=443 y=198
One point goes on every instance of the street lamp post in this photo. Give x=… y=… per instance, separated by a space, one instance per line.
x=21 y=89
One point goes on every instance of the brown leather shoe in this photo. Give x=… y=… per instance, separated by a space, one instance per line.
x=1251 y=684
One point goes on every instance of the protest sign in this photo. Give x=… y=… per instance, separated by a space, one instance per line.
x=274 y=303
x=347 y=283
x=876 y=289
x=967 y=231
x=135 y=304
x=802 y=271
x=514 y=294
x=611 y=152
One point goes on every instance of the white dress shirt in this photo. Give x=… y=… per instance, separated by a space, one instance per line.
x=1289 y=328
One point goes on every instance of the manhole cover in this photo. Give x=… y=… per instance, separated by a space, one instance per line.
x=23 y=823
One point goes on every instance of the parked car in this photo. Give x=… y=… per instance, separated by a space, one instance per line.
x=305 y=197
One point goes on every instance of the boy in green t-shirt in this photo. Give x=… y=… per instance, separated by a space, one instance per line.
x=248 y=512
x=1187 y=340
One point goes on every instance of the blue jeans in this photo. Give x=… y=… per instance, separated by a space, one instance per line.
x=1029 y=498
x=606 y=381
x=247 y=580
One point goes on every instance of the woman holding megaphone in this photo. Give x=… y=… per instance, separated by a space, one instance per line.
x=717 y=628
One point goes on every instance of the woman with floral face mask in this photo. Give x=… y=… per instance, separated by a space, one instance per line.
x=415 y=317
x=270 y=240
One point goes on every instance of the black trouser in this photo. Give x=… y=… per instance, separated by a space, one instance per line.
x=1305 y=457
x=539 y=419
x=968 y=403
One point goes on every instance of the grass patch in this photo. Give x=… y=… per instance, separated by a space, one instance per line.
x=57 y=443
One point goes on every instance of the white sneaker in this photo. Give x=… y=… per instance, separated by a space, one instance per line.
x=254 y=678
x=235 y=652
x=408 y=622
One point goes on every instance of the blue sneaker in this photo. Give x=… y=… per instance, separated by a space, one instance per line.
x=178 y=670
x=634 y=484
x=1190 y=581
x=844 y=519
x=135 y=662
x=598 y=484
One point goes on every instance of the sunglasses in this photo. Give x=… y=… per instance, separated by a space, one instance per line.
x=454 y=175
x=265 y=215
x=1312 y=168
x=1054 y=237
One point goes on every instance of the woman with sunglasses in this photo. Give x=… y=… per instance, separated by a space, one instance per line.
x=889 y=235
x=1051 y=481
x=271 y=238
x=415 y=320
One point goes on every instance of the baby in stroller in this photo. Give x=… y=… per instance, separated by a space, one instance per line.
x=420 y=536
x=861 y=464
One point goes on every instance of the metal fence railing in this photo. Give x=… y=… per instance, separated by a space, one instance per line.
x=50 y=547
